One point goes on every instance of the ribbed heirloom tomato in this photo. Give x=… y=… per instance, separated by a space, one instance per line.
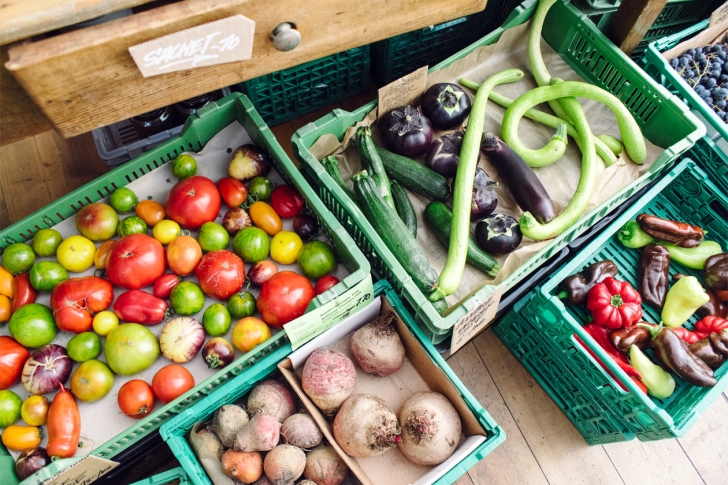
x=193 y=201
x=284 y=297
x=75 y=301
x=135 y=261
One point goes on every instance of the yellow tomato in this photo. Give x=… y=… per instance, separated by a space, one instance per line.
x=7 y=287
x=285 y=246
x=249 y=332
x=102 y=253
x=150 y=211
x=76 y=253
x=265 y=218
x=5 y=305
x=21 y=438
x=104 y=322
x=165 y=231
x=34 y=410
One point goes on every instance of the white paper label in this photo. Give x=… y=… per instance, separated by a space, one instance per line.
x=475 y=320
x=85 y=471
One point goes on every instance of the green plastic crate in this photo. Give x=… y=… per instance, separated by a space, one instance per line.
x=540 y=329
x=175 y=432
x=166 y=478
x=283 y=95
x=672 y=11
x=707 y=152
x=664 y=120
x=399 y=55
x=198 y=130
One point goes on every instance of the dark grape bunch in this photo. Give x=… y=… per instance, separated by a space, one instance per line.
x=706 y=71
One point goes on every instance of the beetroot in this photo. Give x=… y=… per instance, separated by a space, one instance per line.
x=430 y=428
x=325 y=467
x=328 y=379
x=242 y=466
x=272 y=398
x=260 y=434
x=284 y=464
x=263 y=481
x=301 y=430
x=377 y=348
x=227 y=421
x=365 y=426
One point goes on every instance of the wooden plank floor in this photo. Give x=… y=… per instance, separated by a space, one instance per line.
x=542 y=446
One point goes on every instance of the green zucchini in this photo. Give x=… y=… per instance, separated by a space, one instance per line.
x=331 y=165
x=440 y=306
x=371 y=162
x=394 y=234
x=439 y=218
x=414 y=176
x=404 y=207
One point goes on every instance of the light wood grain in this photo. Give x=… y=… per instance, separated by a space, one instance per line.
x=87 y=78
x=706 y=444
x=631 y=22
x=662 y=461
x=22 y=18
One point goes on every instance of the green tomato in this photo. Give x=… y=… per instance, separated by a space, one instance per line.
x=260 y=188
x=46 y=242
x=216 y=320
x=123 y=200
x=187 y=298
x=212 y=237
x=10 y=404
x=32 y=325
x=45 y=275
x=184 y=166
x=84 y=346
x=18 y=258
x=132 y=225
x=241 y=305
x=317 y=259
x=91 y=381
x=251 y=244
x=130 y=348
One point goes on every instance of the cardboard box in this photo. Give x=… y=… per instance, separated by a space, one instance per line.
x=418 y=373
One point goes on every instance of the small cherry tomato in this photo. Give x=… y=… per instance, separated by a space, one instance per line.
x=104 y=322
x=325 y=283
x=21 y=438
x=165 y=284
x=136 y=399
x=4 y=308
x=249 y=332
x=286 y=201
x=233 y=191
x=102 y=253
x=150 y=211
x=166 y=231
x=265 y=218
x=6 y=283
x=171 y=381
x=285 y=246
x=183 y=255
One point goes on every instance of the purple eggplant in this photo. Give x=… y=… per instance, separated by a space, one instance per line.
x=444 y=154
x=498 y=234
x=484 y=196
x=407 y=131
x=446 y=105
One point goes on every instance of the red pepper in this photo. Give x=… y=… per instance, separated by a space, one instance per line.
x=639 y=384
x=628 y=369
x=24 y=292
x=64 y=425
x=12 y=359
x=602 y=336
x=687 y=336
x=166 y=283
x=140 y=307
x=709 y=325
x=75 y=301
x=614 y=304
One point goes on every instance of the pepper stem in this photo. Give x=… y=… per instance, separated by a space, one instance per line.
x=563 y=295
x=616 y=301
x=653 y=329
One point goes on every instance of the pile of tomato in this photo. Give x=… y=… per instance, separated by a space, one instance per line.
x=145 y=249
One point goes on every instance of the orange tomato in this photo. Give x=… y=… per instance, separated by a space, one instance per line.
x=150 y=211
x=183 y=255
x=265 y=218
x=6 y=283
x=101 y=256
x=5 y=305
x=21 y=438
x=249 y=332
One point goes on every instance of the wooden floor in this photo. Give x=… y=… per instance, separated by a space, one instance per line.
x=542 y=446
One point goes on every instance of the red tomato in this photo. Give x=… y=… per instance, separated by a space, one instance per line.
x=135 y=261
x=193 y=201
x=165 y=284
x=24 y=292
x=233 y=191
x=183 y=255
x=286 y=201
x=140 y=307
x=75 y=301
x=284 y=297
x=221 y=274
x=171 y=381
x=326 y=283
x=12 y=359
x=136 y=399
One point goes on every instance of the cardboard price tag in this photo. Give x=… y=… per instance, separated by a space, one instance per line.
x=719 y=16
x=313 y=323
x=218 y=42
x=85 y=471
x=405 y=90
x=476 y=320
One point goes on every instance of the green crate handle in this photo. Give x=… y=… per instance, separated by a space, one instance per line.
x=671 y=41
x=165 y=477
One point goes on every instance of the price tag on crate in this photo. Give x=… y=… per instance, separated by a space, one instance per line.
x=85 y=471
x=475 y=320
x=315 y=322
x=218 y=42
x=405 y=90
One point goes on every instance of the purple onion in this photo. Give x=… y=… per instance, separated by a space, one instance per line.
x=47 y=368
x=30 y=461
x=407 y=131
x=218 y=353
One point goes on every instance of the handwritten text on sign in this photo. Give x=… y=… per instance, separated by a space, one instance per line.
x=84 y=472
x=218 y=42
x=476 y=320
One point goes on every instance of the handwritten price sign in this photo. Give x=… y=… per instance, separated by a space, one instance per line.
x=226 y=40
